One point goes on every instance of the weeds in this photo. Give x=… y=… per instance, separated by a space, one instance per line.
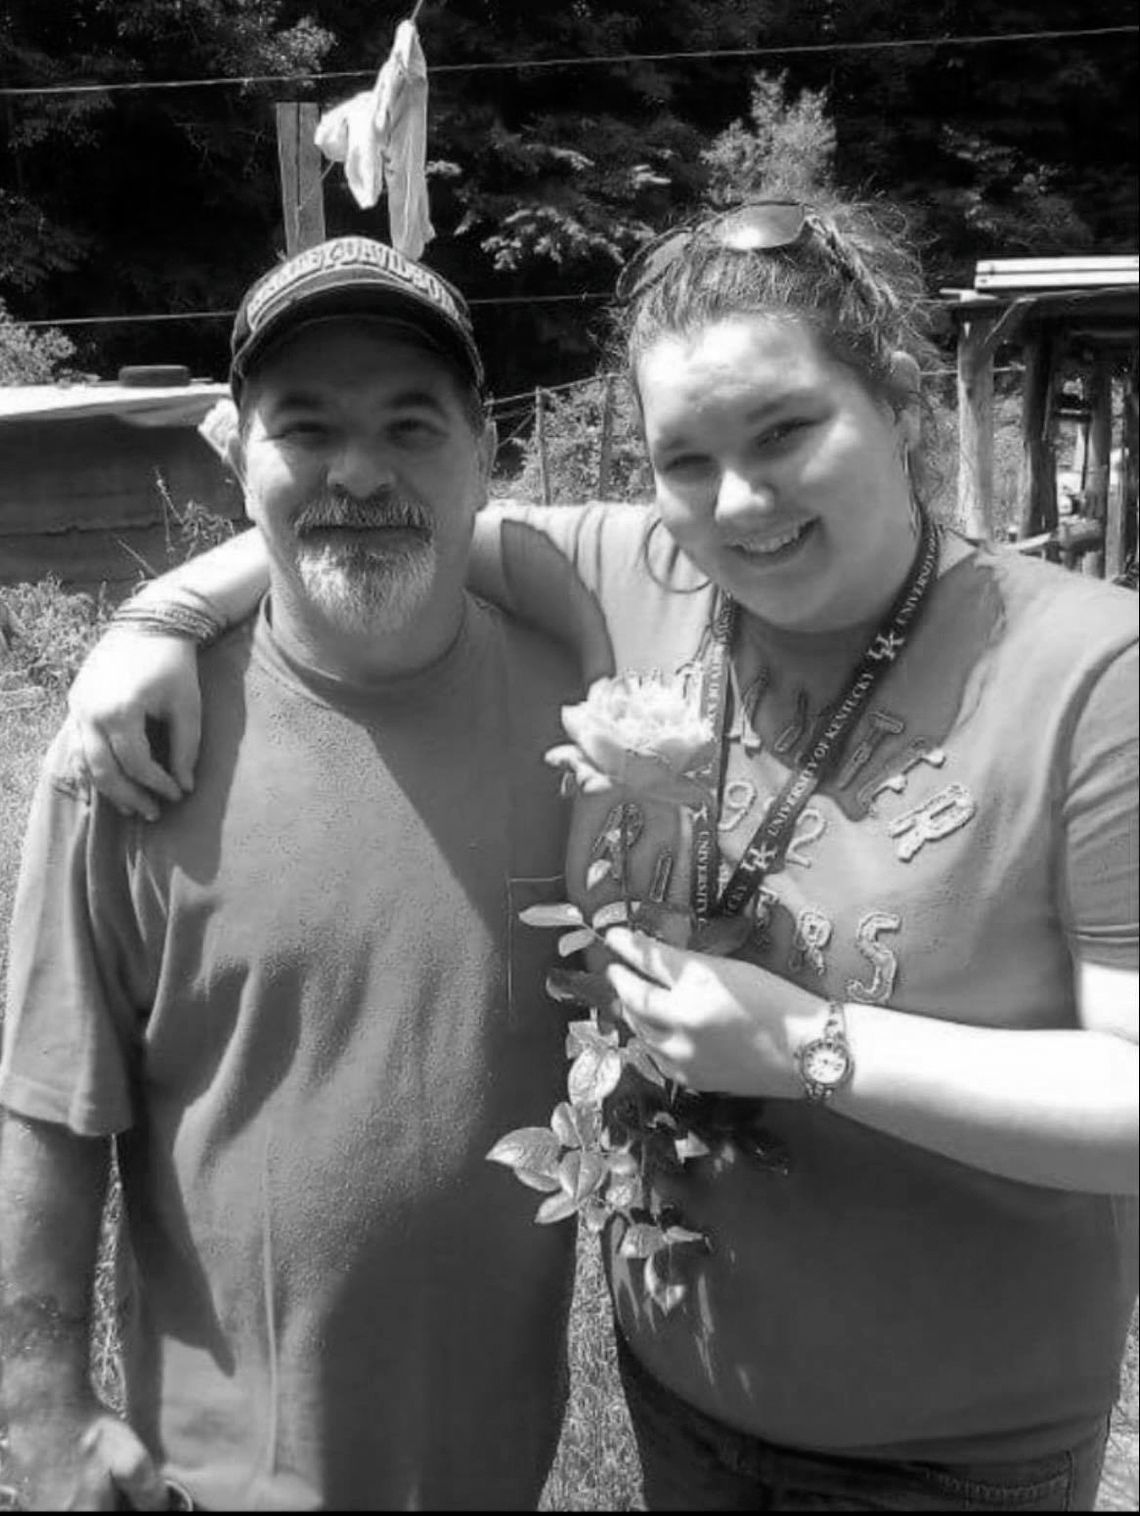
x=190 y=528
x=52 y=630
x=46 y=630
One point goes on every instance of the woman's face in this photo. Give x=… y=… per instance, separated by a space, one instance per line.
x=778 y=473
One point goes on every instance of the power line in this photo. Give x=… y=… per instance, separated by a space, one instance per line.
x=151 y=316
x=604 y=60
x=498 y=300
x=128 y=320
x=550 y=389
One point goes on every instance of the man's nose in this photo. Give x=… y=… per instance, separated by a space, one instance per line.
x=361 y=468
x=742 y=496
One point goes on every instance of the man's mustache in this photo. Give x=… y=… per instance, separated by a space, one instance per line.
x=351 y=514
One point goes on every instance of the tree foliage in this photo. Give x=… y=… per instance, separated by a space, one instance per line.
x=543 y=178
x=28 y=356
x=786 y=147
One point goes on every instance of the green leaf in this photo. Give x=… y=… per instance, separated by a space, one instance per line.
x=533 y=1148
x=681 y=1236
x=582 y=1174
x=577 y=1127
x=574 y=942
x=596 y=1215
x=563 y=914
x=564 y=1126
x=662 y=1281
x=545 y=1183
x=625 y=1193
x=636 y=1053
x=558 y=1207
x=573 y=987
x=599 y=871
x=622 y=1164
x=642 y=1240
x=581 y=1035
x=691 y=1146
x=594 y=1075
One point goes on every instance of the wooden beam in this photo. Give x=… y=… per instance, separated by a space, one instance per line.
x=1037 y=484
x=1121 y=526
x=1005 y=323
x=1107 y=263
x=976 y=425
x=1100 y=450
x=1070 y=279
x=540 y=438
x=299 y=160
x=606 y=445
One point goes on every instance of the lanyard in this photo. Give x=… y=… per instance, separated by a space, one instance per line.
x=822 y=750
x=714 y=710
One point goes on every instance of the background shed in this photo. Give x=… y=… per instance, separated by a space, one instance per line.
x=1077 y=325
x=83 y=468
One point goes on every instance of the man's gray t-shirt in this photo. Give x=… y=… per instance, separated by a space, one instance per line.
x=305 y=1003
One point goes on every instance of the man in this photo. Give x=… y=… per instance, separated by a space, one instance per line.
x=299 y=1001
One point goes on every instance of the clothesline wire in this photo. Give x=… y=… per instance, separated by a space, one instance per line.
x=601 y=379
x=478 y=300
x=228 y=315
x=888 y=44
x=550 y=389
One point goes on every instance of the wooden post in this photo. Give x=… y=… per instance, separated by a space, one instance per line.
x=606 y=446
x=540 y=437
x=976 y=425
x=299 y=160
x=1037 y=485
x=1100 y=451
x=1130 y=469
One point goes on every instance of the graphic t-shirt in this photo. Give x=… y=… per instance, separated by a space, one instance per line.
x=304 y=1002
x=980 y=835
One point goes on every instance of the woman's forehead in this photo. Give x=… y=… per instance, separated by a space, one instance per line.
x=752 y=353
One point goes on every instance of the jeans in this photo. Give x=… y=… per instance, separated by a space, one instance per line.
x=692 y=1463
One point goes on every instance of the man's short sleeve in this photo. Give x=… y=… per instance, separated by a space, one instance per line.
x=77 y=970
x=1099 y=862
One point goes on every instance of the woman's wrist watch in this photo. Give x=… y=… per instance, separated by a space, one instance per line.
x=826 y=1063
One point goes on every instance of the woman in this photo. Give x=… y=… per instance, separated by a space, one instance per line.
x=927 y=817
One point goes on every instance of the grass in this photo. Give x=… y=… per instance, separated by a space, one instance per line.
x=596 y=1468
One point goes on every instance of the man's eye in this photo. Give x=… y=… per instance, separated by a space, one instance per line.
x=416 y=429
x=303 y=431
x=785 y=432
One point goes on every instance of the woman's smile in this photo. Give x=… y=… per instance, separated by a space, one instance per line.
x=773 y=548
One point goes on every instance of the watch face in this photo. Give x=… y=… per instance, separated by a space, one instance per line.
x=826 y=1063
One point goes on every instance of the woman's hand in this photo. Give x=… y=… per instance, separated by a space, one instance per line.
x=714 y=1023
x=128 y=678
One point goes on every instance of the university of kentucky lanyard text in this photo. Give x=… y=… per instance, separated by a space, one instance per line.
x=821 y=752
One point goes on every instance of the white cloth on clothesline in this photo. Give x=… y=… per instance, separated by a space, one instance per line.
x=380 y=136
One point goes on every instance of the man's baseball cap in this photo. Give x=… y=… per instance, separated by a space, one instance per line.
x=352 y=276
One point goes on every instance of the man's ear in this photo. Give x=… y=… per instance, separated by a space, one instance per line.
x=234 y=455
x=906 y=387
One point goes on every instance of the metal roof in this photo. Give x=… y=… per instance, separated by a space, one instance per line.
x=169 y=405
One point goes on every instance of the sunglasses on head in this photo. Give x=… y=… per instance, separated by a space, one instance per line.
x=761 y=227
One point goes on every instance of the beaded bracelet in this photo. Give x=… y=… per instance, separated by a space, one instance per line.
x=170 y=620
